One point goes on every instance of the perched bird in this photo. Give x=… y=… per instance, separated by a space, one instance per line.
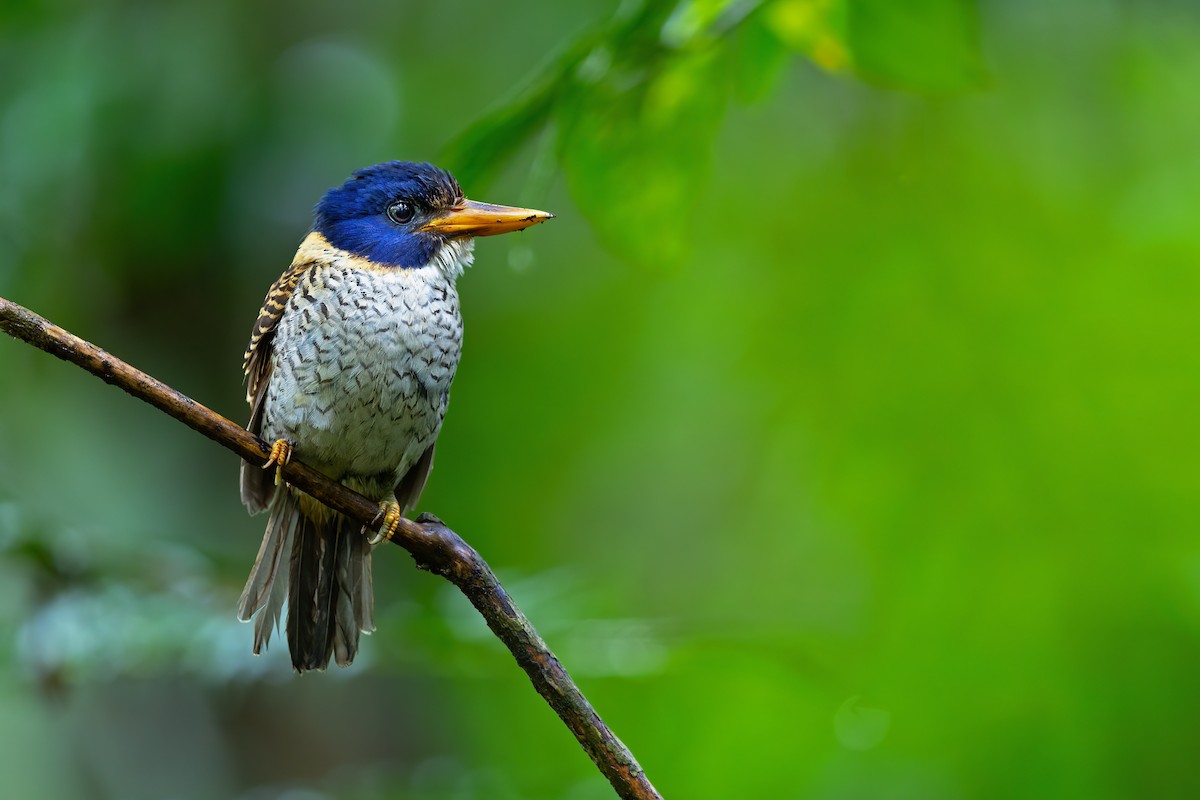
x=349 y=369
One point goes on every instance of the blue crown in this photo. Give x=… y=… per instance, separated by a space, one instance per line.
x=354 y=216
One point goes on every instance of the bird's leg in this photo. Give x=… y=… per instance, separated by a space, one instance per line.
x=387 y=521
x=281 y=454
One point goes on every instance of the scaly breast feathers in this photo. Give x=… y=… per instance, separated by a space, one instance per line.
x=362 y=366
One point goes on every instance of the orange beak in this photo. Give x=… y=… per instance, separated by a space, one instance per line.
x=469 y=218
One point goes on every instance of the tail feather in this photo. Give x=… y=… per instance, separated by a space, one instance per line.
x=268 y=618
x=310 y=596
x=368 y=592
x=262 y=583
x=326 y=582
x=348 y=603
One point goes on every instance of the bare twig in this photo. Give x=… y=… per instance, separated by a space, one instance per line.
x=434 y=546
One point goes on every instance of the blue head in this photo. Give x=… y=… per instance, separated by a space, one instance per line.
x=401 y=213
x=378 y=213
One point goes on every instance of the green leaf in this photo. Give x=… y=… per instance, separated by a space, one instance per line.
x=816 y=28
x=758 y=60
x=927 y=45
x=699 y=22
x=635 y=148
x=479 y=152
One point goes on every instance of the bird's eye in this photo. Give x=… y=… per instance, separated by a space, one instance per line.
x=400 y=212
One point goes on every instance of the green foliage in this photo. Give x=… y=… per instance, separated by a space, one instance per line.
x=838 y=434
x=636 y=107
x=920 y=44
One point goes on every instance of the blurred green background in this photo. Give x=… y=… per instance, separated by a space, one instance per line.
x=839 y=435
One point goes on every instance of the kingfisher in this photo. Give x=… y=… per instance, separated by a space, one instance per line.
x=349 y=369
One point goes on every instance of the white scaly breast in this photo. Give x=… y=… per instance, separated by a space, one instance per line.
x=363 y=359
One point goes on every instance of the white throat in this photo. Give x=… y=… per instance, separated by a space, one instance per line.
x=454 y=256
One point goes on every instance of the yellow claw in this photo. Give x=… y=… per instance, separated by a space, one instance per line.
x=281 y=454
x=390 y=514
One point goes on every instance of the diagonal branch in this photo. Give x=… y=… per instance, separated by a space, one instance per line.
x=435 y=547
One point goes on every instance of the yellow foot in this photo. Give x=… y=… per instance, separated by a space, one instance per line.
x=388 y=520
x=281 y=454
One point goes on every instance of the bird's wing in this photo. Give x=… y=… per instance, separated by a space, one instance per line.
x=256 y=363
x=258 y=487
x=410 y=486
